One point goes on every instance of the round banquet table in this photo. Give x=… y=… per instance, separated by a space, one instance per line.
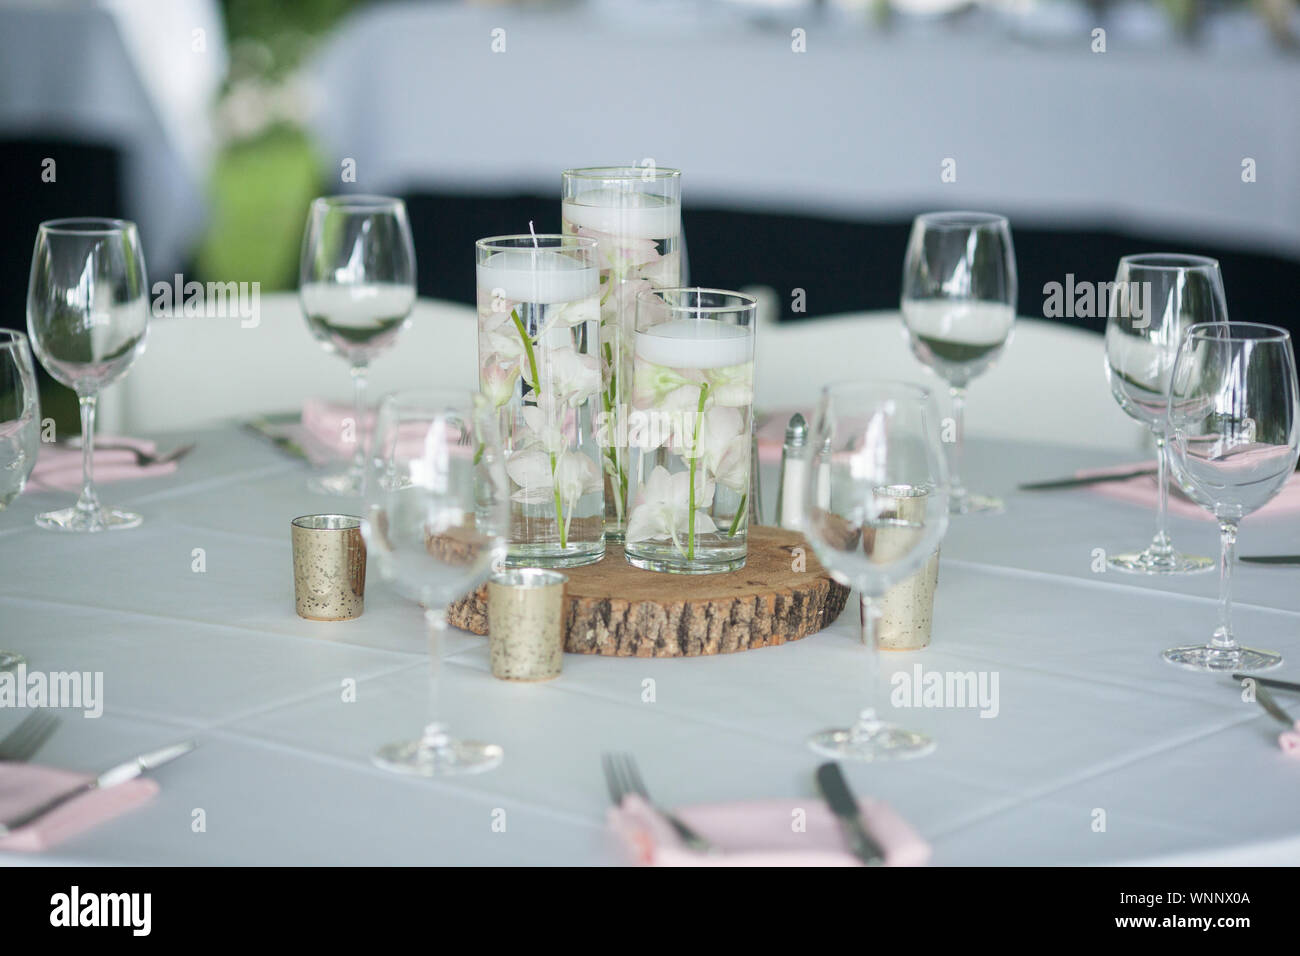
x=1088 y=718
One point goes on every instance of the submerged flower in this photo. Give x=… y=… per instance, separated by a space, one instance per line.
x=725 y=448
x=572 y=377
x=732 y=384
x=663 y=388
x=498 y=379
x=574 y=475
x=663 y=507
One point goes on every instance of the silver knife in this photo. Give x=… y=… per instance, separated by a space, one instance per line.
x=1268 y=682
x=109 y=778
x=1269 y=704
x=1078 y=482
x=1283 y=559
x=835 y=789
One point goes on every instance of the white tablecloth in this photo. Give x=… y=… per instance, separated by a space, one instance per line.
x=1089 y=717
x=1144 y=137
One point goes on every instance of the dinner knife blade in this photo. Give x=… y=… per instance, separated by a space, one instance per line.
x=1079 y=482
x=121 y=773
x=835 y=790
x=1269 y=704
x=1269 y=682
x=1290 y=560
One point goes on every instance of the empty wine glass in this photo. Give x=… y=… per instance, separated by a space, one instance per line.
x=875 y=446
x=357 y=288
x=435 y=524
x=20 y=422
x=959 y=306
x=1156 y=298
x=87 y=315
x=1234 y=425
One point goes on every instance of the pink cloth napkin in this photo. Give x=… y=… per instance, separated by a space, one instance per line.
x=323 y=424
x=58 y=467
x=24 y=786
x=762 y=833
x=1289 y=740
x=1142 y=491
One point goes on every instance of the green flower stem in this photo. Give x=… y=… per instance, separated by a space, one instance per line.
x=735 y=522
x=537 y=394
x=695 y=457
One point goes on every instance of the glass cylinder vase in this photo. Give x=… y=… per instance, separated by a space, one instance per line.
x=539 y=367
x=691 y=410
x=635 y=214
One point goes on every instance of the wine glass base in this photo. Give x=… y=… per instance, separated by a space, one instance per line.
x=10 y=659
x=1148 y=562
x=887 y=743
x=1214 y=660
x=973 y=504
x=346 y=484
x=454 y=757
x=75 y=520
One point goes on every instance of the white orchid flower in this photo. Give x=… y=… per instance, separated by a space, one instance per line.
x=498 y=379
x=732 y=385
x=573 y=376
x=663 y=506
x=725 y=448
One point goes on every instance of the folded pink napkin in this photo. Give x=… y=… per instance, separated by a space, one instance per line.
x=762 y=833
x=1143 y=491
x=58 y=467
x=24 y=786
x=1289 y=740
x=325 y=425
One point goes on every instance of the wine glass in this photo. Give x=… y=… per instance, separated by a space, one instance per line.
x=435 y=524
x=87 y=315
x=959 y=306
x=357 y=288
x=20 y=422
x=876 y=507
x=1234 y=426
x=1156 y=297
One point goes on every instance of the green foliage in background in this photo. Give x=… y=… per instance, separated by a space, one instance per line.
x=261 y=186
x=260 y=192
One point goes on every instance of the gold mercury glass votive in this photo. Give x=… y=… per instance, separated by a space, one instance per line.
x=907 y=609
x=329 y=567
x=526 y=624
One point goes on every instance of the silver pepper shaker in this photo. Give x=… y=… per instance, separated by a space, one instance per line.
x=789 y=490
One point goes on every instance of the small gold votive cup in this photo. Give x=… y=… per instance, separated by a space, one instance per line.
x=526 y=624
x=907 y=609
x=329 y=567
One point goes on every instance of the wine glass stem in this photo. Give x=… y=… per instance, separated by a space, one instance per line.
x=359 y=370
x=88 y=502
x=958 y=489
x=435 y=732
x=1223 y=639
x=869 y=616
x=1160 y=545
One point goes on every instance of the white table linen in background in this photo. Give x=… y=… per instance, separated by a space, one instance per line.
x=1090 y=717
x=1145 y=137
x=125 y=73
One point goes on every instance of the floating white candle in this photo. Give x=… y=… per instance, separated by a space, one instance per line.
x=633 y=215
x=695 y=343
x=546 y=275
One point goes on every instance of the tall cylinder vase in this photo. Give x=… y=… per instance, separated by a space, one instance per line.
x=539 y=368
x=634 y=213
x=690 y=431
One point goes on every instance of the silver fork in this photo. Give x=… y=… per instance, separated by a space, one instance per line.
x=21 y=743
x=142 y=458
x=622 y=778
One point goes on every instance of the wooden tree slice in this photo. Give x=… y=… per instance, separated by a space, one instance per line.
x=782 y=594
